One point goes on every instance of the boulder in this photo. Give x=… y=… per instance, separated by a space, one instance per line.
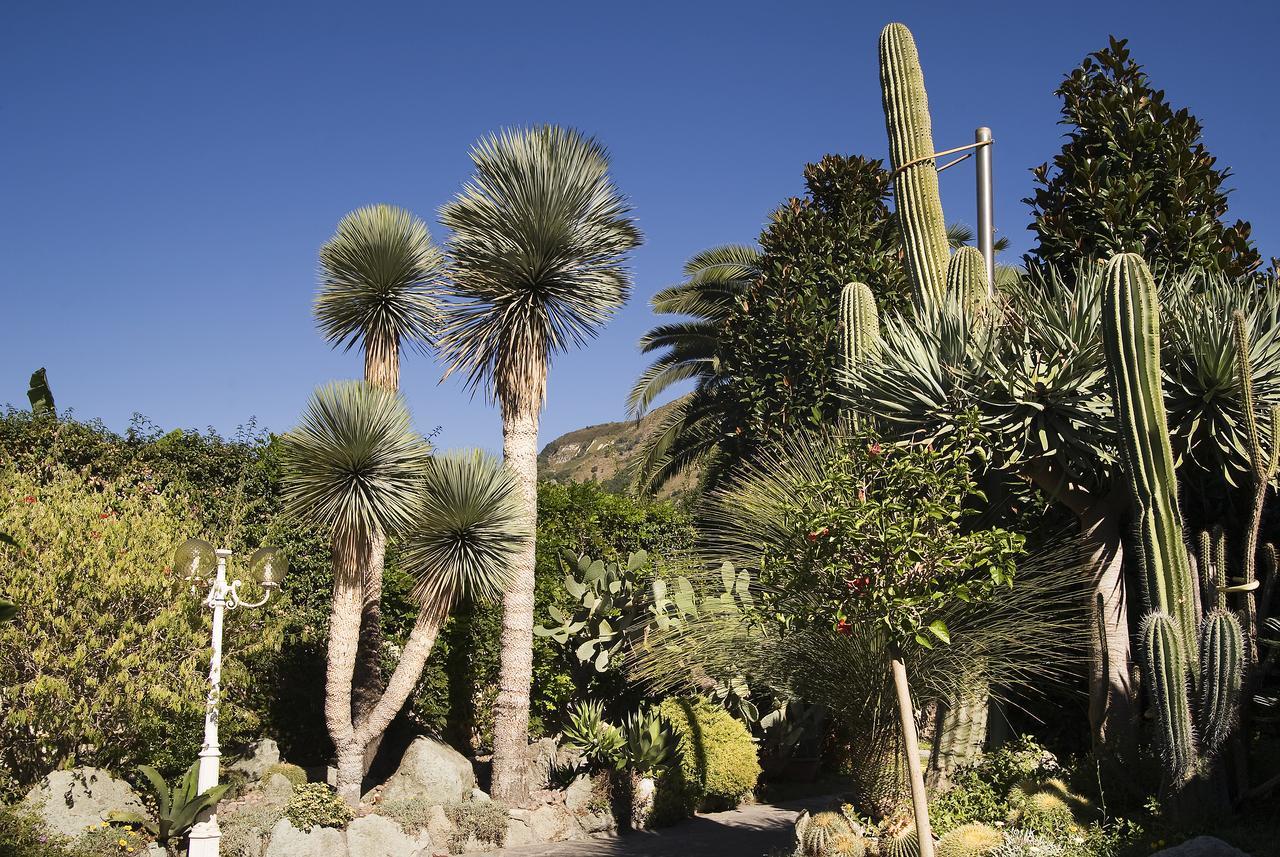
x=540 y=758
x=551 y=823
x=289 y=841
x=480 y=796
x=432 y=771
x=265 y=754
x=1202 y=846
x=70 y=801
x=518 y=833
x=378 y=836
x=577 y=797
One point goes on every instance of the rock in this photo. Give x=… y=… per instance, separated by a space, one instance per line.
x=70 y=801
x=378 y=836
x=577 y=797
x=289 y=841
x=277 y=790
x=439 y=826
x=551 y=823
x=156 y=850
x=1202 y=846
x=518 y=833
x=540 y=758
x=479 y=796
x=432 y=771
x=265 y=754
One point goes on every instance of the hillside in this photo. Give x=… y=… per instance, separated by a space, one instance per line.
x=602 y=453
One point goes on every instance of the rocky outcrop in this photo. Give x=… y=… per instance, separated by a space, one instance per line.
x=70 y=801
x=1202 y=846
x=289 y=841
x=376 y=836
x=265 y=754
x=431 y=771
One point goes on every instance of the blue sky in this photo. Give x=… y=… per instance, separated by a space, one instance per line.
x=168 y=170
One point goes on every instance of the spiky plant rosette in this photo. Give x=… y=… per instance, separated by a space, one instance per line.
x=1203 y=395
x=354 y=463
x=379 y=275
x=538 y=238
x=468 y=531
x=1028 y=638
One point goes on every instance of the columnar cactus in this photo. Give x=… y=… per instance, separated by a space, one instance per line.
x=1186 y=654
x=860 y=325
x=919 y=207
x=967 y=278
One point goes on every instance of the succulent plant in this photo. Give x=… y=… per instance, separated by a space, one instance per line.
x=904 y=843
x=648 y=742
x=587 y=731
x=821 y=830
x=970 y=840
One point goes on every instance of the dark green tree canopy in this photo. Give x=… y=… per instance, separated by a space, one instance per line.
x=1133 y=176
x=781 y=342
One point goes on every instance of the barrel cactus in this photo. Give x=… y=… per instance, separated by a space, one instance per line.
x=821 y=830
x=970 y=840
x=904 y=843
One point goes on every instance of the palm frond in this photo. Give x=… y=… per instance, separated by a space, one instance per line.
x=380 y=275
x=470 y=527
x=538 y=239
x=687 y=436
x=354 y=462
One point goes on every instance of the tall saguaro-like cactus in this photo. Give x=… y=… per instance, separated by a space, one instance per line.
x=919 y=206
x=860 y=325
x=967 y=278
x=1188 y=659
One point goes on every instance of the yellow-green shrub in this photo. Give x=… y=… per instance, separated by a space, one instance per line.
x=715 y=764
x=105 y=662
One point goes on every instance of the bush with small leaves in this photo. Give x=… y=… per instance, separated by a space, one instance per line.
x=412 y=814
x=485 y=820
x=317 y=805
x=244 y=827
x=294 y=774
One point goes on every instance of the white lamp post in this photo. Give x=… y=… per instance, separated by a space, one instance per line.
x=200 y=565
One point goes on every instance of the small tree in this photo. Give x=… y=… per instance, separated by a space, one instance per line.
x=880 y=539
x=1134 y=176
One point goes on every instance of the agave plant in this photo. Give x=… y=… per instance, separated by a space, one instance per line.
x=599 y=742
x=177 y=809
x=648 y=742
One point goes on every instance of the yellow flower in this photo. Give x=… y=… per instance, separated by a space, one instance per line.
x=124 y=843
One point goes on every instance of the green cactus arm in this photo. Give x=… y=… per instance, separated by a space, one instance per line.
x=860 y=325
x=1131 y=337
x=967 y=278
x=1221 y=668
x=1166 y=672
x=919 y=206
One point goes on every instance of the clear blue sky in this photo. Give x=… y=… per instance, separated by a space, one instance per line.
x=168 y=170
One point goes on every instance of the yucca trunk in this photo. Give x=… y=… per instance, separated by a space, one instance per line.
x=1112 y=714
x=511 y=714
x=350 y=560
x=381 y=369
x=911 y=746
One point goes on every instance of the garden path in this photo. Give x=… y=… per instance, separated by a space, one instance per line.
x=751 y=831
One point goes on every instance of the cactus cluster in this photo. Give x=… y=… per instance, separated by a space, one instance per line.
x=1191 y=657
x=904 y=843
x=828 y=834
x=970 y=840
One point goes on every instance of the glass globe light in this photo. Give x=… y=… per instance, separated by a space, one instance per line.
x=267 y=567
x=194 y=560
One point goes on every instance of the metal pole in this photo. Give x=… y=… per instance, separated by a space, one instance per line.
x=986 y=206
x=205 y=834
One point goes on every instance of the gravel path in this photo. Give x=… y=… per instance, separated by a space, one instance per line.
x=752 y=831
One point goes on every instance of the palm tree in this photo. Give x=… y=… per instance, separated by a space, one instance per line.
x=538 y=239
x=689 y=433
x=355 y=467
x=379 y=278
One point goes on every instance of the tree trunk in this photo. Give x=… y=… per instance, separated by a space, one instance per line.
x=1112 y=706
x=961 y=732
x=907 y=718
x=350 y=557
x=511 y=715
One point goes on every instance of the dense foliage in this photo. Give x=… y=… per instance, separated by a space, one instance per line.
x=1133 y=176
x=715 y=761
x=780 y=348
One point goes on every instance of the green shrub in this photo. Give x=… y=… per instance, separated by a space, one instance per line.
x=105 y=662
x=244 y=828
x=22 y=834
x=485 y=820
x=411 y=814
x=317 y=805
x=715 y=761
x=108 y=842
x=292 y=773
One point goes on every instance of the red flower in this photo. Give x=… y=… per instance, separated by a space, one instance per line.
x=844 y=627
x=817 y=534
x=28 y=499
x=105 y=515
x=874 y=449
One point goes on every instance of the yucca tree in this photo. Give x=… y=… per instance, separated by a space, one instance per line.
x=538 y=239
x=355 y=467
x=688 y=433
x=380 y=277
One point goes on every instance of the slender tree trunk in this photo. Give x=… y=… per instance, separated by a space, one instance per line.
x=511 y=716
x=910 y=745
x=1112 y=694
x=350 y=556
x=961 y=731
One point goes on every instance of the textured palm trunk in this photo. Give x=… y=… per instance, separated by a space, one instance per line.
x=960 y=733
x=511 y=715
x=911 y=746
x=350 y=558
x=381 y=369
